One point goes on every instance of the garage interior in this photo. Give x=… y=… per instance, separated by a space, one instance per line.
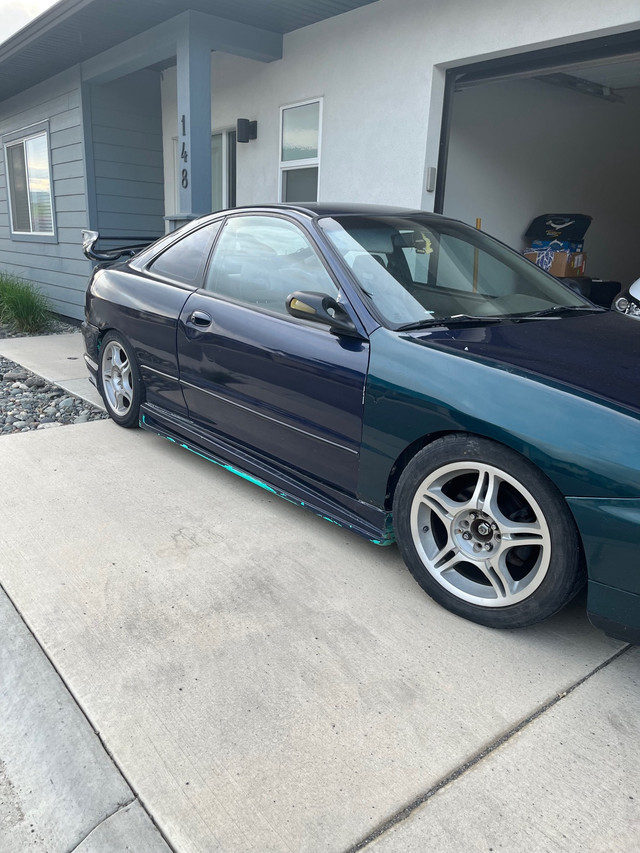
x=557 y=138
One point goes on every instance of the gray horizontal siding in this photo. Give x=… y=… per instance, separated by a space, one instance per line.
x=59 y=95
x=119 y=98
x=68 y=154
x=65 y=121
x=67 y=309
x=71 y=236
x=47 y=279
x=54 y=256
x=74 y=219
x=133 y=120
x=62 y=171
x=70 y=203
x=129 y=223
x=132 y=187
x=62 y=138
x=126 y=155
x=126 y=129
x=69 y=186
x=59 y=269
x=120 y=204
x=125 y=138
x=129 y=172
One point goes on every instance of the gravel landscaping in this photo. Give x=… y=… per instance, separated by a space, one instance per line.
x=28 y=402
x=57 y=327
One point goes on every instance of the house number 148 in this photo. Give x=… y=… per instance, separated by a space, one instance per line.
x=184 y=156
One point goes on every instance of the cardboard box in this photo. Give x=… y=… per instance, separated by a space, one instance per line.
x=560 y=264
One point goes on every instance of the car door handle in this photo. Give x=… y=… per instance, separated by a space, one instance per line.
x=200 y=319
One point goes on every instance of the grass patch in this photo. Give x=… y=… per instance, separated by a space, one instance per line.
x=22 y=306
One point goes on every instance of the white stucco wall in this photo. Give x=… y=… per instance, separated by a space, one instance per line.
x=380 y=70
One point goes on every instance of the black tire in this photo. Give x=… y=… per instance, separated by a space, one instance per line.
x=119 y=380
x=460 y=509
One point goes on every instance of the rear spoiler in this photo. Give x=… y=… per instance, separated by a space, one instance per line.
x=134 y=245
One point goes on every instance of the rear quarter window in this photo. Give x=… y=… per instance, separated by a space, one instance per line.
x=185 y=260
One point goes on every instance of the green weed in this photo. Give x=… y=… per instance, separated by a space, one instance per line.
x=22 y=306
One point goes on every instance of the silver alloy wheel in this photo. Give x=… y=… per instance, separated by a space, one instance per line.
x=117 y=378
x=480 y=534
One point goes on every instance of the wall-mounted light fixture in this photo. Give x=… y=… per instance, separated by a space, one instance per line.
x=246 y=130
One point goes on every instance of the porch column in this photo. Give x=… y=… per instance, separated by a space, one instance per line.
x=193 y=167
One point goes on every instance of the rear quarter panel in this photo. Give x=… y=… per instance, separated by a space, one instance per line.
x=145 y=311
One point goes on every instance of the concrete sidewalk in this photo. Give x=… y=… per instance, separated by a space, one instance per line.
x=266 y=682
x=58 y=359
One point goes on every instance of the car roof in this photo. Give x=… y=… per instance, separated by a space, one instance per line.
x=314 y=209
x=318 y=209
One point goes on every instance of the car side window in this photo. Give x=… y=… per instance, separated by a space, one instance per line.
x=185 y=260
x=260 y=260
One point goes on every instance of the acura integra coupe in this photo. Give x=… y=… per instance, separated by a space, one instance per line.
x=402 y=375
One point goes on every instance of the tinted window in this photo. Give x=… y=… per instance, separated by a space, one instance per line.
x=260 y=260
x=186 y=259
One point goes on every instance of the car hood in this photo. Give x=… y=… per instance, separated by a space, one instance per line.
x=598 y=354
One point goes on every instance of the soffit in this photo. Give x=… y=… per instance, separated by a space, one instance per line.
x=75 y=30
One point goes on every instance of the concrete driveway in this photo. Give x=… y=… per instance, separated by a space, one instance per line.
x=267 y=682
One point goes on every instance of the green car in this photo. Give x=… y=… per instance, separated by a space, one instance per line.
x=403 y=375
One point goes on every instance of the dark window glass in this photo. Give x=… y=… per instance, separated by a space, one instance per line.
x=19 y=189
x=231 y=165
x=300 y=185
x=185 y=260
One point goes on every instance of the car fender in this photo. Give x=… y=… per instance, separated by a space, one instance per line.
x=416 y=392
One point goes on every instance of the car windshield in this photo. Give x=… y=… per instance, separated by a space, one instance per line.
x=420 y=270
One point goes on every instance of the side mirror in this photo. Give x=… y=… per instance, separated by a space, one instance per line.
x=322 y=308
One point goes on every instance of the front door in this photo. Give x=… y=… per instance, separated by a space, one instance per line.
x=282 y=387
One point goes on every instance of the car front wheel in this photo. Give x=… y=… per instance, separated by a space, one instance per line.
x=485 y=533
x=119 y=380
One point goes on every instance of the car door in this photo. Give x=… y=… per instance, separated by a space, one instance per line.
x=284 y=388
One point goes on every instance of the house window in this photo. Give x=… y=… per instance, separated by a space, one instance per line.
x=300 y=128
x=29 y=176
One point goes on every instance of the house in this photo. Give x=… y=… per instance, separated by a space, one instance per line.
x=132 y=116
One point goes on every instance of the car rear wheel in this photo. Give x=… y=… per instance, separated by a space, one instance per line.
x=486 y=534
x=119 y=380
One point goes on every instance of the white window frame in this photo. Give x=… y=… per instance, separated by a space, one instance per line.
x=174 y=174
x=306 y=163
x=21 y=137
x=226 y=144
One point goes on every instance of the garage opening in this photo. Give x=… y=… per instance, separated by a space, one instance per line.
x=552 y=132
